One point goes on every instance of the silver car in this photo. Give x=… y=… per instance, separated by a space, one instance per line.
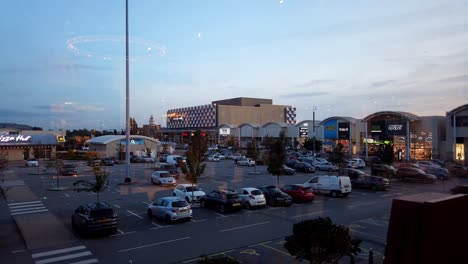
x=163 y=178
x=170 y=209
x=251 y=197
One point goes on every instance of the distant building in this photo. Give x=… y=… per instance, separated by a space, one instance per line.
x=151 y=129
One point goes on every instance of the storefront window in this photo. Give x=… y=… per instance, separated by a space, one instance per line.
x=460 y=152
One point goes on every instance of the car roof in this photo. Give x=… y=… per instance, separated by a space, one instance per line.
x=171 y=198
x=248 y=188
x=161 y=171
x=100 y=205
x=186 y=185
x=297 y=184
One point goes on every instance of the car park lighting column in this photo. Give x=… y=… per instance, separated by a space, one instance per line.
x=408 y=138
x=127 y=100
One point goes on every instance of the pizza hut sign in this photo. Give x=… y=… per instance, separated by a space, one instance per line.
x=14 y=139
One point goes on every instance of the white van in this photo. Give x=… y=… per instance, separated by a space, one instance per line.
x=172 y=159
x=332 y=185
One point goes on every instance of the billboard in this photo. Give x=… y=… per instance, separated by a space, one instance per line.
x=343 y=130
x=330 y=129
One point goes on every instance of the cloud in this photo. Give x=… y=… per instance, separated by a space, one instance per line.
x=458 y=78
x=26 y=70
x=71 y=107
x=382 y=83
x=12 y=114
x=302 y=95
x=312 y=83
x=74 y=66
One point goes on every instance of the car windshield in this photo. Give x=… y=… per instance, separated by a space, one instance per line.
x=256 y=192
x=165 y=175
x=102 y=213
x=181 y=203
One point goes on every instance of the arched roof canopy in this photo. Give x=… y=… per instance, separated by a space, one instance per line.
x=351 y=120
x=306 y=122
x=111 y=138
x=227 y=125
x=253 y=125
x=404 y=115
x=458 y=109
x=280 y=124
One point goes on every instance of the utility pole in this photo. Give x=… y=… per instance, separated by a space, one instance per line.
x=313 y=129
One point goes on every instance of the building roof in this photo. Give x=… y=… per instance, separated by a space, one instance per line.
x=404 y=115
x=103 y=140
x=351 y=120
x=281 y=124
x=458 y=109
x=253 y=125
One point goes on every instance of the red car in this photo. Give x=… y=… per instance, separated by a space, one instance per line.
x=299 y=192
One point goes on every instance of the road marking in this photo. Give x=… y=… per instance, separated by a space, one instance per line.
x=18 y=251
x=66 y=257
x=145 y=203
x=23 y=203
x=319 y=212
x=154 y=244
x=134 y=214
x=116 y=206
x=124 y=233
x=360 y=204
x=67 y=195
x=87 y=261
x=212 y=255
x=277 y=250
x=390 y=194
x=155 y=224
x=29 y=212
x=58 y=251
x=141 y=188
x=245 y=226
x=196 y=221
x=27 y=209
x=120 y=231
x=116 y=190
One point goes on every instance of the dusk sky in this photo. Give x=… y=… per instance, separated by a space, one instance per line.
x=63 y=62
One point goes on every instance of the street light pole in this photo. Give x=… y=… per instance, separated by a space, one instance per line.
x=313 y=129
x=127 y=100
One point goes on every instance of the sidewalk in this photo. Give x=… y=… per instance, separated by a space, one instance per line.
x=38 y=227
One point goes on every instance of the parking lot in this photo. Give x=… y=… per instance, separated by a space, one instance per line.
x=251 y=236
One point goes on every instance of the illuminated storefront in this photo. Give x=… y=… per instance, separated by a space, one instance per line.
x=457 y=134
x=343 y=130
x=24 y=145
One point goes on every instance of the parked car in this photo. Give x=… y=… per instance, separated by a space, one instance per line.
x=354 y=173
x=409 y=165
x=426 y=165
x=414 y=174
x=94 y=218
x=304 y=167
x=188 y=192
x=213 y=158
x=246 y=162
x=274 y=196
x=32 y=162
x=223 y=201
x=174 y=159
x=251 y=197
x=458 y=170
x=163 y=178
x=459 y=189
x=299 y=192
x=136 y=159
x=329 y=184
x=371 y=182
x=324 y=165
x=171 y=168
x=94 y=162
x=148 y=159
x=291 y=162
x=107 y=161
x=68 y=170
x=358 y=163
x=385 y=170
x=170 y=209
x=439 y=172
x=288 y=171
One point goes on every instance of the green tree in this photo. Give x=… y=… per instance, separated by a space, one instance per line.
x=120 y=150
x=194 y=167
x=232 y=142
x=309 y=144
x=337 y=157
x=277 y=157
x=253 y=152
x=386 y=154
x=57 y=165
x=100 y=183
x=320 y=241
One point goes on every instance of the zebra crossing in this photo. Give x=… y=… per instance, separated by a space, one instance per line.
x=22 y=208
x=72 y=255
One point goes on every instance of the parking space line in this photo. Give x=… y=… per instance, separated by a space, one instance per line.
x=196 y=221
x=390 y=194
x=134 y=214
x=319 y=212
x=245 y=226
x=145 y=203
x=124 y=233
x=220 y=215
x=360 y=204
x=212 y=255
x=154 y=244
x=277 y=250
x=120 y=231
x=116 y=206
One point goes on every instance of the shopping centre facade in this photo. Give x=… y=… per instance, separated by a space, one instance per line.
x=413 y=136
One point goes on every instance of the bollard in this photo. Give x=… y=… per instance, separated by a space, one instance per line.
x=371 y=256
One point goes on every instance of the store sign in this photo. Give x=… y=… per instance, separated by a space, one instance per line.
x=396 y=128
x=376 y=128
x=303 y=132
x=15 y=139
x=225 y=131
x=330 y=129
x=343 y=130
x=133 y=141
x=177 y=118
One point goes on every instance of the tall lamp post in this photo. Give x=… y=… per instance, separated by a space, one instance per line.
x=313 y=129
x=127 y=100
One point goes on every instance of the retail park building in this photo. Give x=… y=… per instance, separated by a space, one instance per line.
x=245 y=119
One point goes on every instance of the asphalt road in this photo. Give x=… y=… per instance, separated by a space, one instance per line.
x=252 y=236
